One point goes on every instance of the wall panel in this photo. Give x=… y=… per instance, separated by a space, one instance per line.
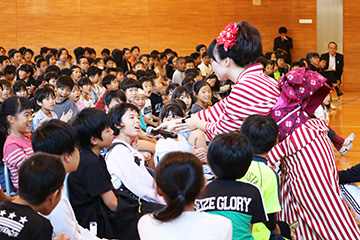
x=150 y=24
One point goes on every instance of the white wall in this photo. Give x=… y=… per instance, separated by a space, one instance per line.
x=329 y=24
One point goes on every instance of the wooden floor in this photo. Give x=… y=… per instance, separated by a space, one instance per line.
x=345 y=120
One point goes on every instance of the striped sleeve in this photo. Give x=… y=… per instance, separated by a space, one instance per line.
x=252 y=94
x=14 y=156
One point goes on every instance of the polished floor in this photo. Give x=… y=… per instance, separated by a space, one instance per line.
x=345 y=120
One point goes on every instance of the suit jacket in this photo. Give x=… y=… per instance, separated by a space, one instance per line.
x=339 y=64
x=283 y=44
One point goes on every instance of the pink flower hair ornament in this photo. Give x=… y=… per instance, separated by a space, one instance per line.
x=227 y=37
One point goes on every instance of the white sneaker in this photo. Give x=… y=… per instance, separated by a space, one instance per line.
x=208 y=173
x=349 y=139
x=344 y=149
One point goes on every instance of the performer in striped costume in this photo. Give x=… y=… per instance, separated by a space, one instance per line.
x=310 y=191
x=309 y=186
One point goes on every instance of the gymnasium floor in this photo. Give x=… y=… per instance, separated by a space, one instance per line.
x=345 y=120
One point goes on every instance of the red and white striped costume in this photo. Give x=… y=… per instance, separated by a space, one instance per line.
x=253 y=93
x=310 y=191
x=16 y=150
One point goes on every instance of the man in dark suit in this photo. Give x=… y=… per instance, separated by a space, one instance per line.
x=334 y=62
x=284 y=44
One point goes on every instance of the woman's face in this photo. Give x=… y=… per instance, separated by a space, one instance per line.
x=219 y=67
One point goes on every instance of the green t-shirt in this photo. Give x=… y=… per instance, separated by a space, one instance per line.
x=266 y=178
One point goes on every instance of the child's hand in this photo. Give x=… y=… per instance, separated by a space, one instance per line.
x=61 y=237
x=66 y=117
x=31 y=89
x=201 y=154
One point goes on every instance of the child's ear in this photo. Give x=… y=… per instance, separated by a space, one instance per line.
x=38 y=103
x=158 y=190
x=94 y=141
x=10 y=119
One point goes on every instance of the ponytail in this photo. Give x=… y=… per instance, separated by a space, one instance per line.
x=180 y=176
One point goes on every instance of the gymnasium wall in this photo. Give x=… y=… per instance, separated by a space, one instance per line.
x=150 y=24
x=351 y=45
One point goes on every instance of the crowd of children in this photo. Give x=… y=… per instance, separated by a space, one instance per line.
x=125 y=179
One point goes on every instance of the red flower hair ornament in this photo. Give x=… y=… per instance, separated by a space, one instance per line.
x=227 y=37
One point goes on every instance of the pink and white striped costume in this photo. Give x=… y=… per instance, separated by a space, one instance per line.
x=253 y=93
x=310 y=191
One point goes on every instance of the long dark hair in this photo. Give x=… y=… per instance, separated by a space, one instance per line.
x=11 y=106
x=179 y=175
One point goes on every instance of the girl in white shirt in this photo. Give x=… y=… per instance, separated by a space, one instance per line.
x=179 y=180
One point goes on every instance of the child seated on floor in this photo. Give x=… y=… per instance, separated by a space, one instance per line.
x=16 y=122
x=59 y=138
x=64 y=104
x=341 y=144
x=41 y=178
x=262 y=131
x=91 y=193
x=179 y=180
x=125 y=164
x=229 y=156
x=85 y=89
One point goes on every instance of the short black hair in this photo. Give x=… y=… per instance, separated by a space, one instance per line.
x=168 y=51
x=90 y=122
x=9 y=69
x=42 y=92
x=84 y=81
x=145 y=79
x=18 y=86
x=79 y=51
x=171 y=86
x=93 y=70
x=110 y=69
x=106 y=51
x=133 y=48
x=48 y=76
x=52 y=68
x=39 y=176
x=65 y=81
x=55 y=137
x=195 y=55
x=65 y=72
x=48 y=57
x=282 y=30
x=128 y=83
x=262 y=131
x=200 y=46
x=117 y=112
x=314 y=55
x=129 y=72
x=79 y=58
x=5 y=83
x=107 y=80
x=44 y=50
x=230 y=155
x=171 y=107
x=60 y=51
x=296 y=64
x=113 y=94
x=137 y=62
x=204 y=54
x=38 y=62
x=247 y=49
x=3 y=58
x=29 y=51
x=108 y=58
x=12 y=53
